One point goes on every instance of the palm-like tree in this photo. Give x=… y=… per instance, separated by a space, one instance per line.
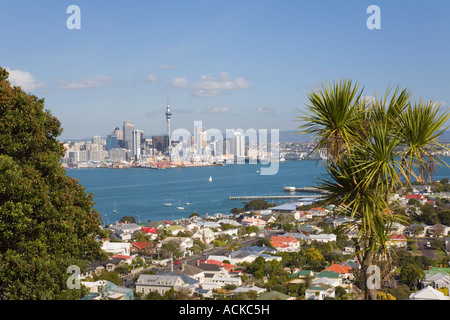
x=372 y=146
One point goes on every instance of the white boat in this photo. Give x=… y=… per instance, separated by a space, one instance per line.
x=114 y=211
x=187 y=202
x=210 y=178
x=179 y=206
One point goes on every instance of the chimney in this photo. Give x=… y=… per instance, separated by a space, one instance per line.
x=198 y=263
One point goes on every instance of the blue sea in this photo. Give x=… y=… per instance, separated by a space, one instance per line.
x=142 y=193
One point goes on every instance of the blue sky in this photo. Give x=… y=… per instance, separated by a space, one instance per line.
x=230 y=64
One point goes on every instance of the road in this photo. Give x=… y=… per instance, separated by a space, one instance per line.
x=427 y=252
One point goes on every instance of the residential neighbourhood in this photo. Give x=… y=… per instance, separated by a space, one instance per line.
x=288 y=252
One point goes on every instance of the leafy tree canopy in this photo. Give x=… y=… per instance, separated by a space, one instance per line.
x=47 y=220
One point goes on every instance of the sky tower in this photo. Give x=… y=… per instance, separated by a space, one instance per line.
x=168 y=117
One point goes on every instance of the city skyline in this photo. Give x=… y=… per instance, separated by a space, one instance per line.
x=234 y=64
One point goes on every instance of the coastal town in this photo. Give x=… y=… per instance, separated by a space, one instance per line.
x=291 y=251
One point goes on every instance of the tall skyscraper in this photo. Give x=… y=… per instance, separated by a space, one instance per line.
x=137 y=134
x=128 y=129
x=119 y=135
x=168 y=117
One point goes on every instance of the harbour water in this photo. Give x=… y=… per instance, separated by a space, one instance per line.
x=142 y=193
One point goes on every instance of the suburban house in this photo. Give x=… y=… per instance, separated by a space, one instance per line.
x=438 y=229
x=147 y=283
x=344 y=272
x=319 y=292
x=285 y=244
x=175 y=229
x=216 y=276
x=328 y=278
x=416 y=230
x=205 y=235
x=436 y=280
x=152 y=232
x=397 y=240
x=418 y=197
x=123 y=231
x=318 y=211
x=248 y=288
x=139 y=246
x=428 y=293
x=260 y=223
x=322 y=237
x=97 y=266
x=274 y=295
x=123 y=248
x=185 y=243
x=103 y=289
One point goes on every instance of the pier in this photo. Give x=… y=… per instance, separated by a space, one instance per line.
x=271 y=197
x=305 y=190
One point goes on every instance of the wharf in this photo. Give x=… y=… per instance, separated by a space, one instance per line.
x=273 y=197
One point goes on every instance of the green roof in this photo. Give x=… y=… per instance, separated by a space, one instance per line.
x=174 y=227
x=273 y=295
x=434 y=270
x=328 y=274
x=302 y=273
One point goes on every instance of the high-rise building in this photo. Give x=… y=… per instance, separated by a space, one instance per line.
x=168 y=118
x=137 y=135
x=111 y=142
x=158 y=143
x=119 y=136
x=128 y=129
x=239 y=145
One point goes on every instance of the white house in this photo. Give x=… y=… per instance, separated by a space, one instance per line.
x=185 y=242
x=323 y=237
x=436 y=280
x=206 y=235
x=319 y=292
x=147 y=283
x=428 y=293
x=122 y=248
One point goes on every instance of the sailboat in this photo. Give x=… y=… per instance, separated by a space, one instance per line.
x=187 y=202
x=167 y=204
x=179 y=206
x=210 y=179
x=114 y=211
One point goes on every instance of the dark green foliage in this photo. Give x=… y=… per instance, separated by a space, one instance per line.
x=47 y=221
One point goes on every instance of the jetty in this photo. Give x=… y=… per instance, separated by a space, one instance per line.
x=305 y=190
x=274 y=197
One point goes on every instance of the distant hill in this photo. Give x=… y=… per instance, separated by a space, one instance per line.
x=292 y=136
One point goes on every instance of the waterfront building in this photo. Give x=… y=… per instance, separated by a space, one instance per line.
x=111 y=142
x=137 y=140
x=118 y=155
x=128 y=129
x=158 y=143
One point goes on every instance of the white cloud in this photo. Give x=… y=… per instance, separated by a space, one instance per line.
x=97 y=81
x=167 y=67
x=151 y=78
x=265 y=109
x=210 y=87
x=179 y=82
x=23 y=79
x=216 y=110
